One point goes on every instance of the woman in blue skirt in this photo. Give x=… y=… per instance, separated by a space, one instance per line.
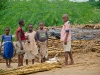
x=8 y=47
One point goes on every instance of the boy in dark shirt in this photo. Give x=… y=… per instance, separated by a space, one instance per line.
x=42 y=41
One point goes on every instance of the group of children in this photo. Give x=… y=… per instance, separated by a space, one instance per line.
x=26 y=44
x=31 y=43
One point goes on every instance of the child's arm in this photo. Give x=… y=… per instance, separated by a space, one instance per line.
x=19 y=39
x=2 y=40
x=36 y=38
x=26 y=36
x=1 y=43
x=67 y=30
x=67 y=33
x=47 y=37
x=12 y=41
x=37 y=43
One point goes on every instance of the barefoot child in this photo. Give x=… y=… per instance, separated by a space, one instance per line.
x=66 y=38
x=30 y=45
x=20 y=42
x=42 y=41
x=8 y=47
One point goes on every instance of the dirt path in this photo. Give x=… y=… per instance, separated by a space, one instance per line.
x=90 y=70
x=85 y=64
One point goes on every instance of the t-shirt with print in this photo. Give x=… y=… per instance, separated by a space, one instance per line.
x=66 y=27
x=41 y=35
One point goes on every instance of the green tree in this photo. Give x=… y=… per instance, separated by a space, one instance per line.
x=2 y=2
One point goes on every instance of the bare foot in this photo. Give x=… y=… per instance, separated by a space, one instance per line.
x=19 y=65
x=10 y=66
x=65 y=64
x=26 y=64
x=71 y=63
x=7 y=66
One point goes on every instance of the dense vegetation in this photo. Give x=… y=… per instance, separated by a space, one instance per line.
x=48 y=11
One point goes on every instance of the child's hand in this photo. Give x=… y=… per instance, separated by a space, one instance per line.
x=28 y=41
x=21 y=47
x=13 y=46
x=47 y=45
x=27 y=37
x=65 y=43
x=16 y=45
x=30 y=51
x=0 y=46
x=41 y=53
x=39 y=46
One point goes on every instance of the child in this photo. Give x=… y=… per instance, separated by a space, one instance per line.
x=30 y=45
x=42 y=41
x=8 y=47
x=66 y=38
x=20 y=42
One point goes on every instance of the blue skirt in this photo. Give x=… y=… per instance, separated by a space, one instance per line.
x=8 y=50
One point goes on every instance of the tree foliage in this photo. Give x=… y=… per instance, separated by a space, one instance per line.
x=2 y=3
x=50 y=12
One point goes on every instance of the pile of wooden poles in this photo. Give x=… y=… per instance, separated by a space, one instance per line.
x=24 y=70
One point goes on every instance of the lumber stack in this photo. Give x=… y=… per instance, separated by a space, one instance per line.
x=86 y=46
x=54 y=46
x=31 y=69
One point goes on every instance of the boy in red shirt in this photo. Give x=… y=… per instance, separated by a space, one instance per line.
x=20 y=42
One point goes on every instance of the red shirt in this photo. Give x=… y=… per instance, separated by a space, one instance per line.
x=22 y=33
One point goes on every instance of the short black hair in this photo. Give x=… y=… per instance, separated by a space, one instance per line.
x=30 y=24
x=20 y=22
x=41 y=22
x=7 y=28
